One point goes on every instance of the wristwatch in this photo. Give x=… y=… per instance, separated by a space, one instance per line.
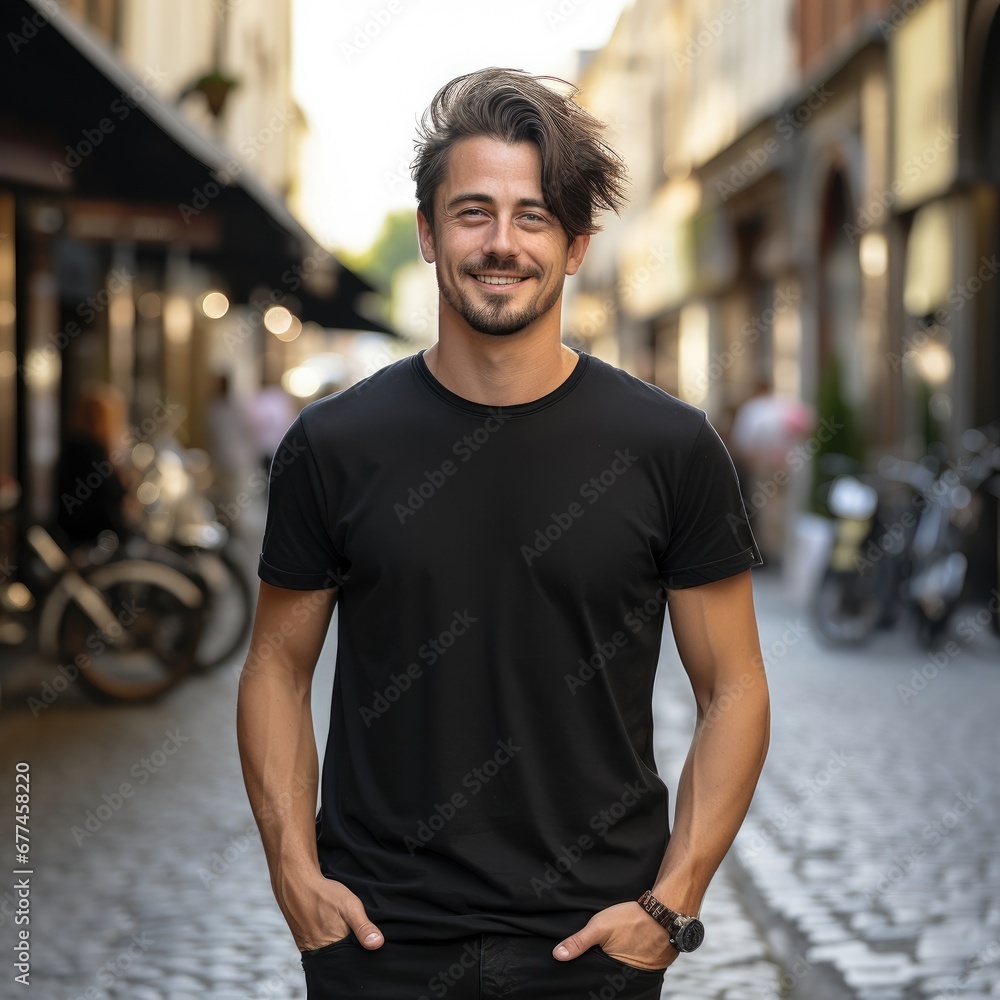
x=686 y=933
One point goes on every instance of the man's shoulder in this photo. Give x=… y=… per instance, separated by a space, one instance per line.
x=634 y=398
x=371 y=394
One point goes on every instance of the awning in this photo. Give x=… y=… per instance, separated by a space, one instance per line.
x=74 y=119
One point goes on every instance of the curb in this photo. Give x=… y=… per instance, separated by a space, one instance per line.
x=788 y=945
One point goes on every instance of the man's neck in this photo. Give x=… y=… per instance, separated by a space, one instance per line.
x=500 y=371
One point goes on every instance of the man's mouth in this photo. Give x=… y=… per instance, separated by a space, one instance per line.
x=493 y=279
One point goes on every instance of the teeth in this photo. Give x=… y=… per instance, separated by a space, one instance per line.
x=488 y=279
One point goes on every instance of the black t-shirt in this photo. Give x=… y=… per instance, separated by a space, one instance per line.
x=502 y=575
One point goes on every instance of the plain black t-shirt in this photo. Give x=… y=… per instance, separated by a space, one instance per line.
x=502 y=575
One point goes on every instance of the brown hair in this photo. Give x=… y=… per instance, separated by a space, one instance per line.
x=581 y=174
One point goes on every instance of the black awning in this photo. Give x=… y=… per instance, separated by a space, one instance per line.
x=74 y=119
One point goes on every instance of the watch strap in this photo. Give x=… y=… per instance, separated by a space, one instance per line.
x=660 y=912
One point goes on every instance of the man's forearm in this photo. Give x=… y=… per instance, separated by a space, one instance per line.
x=714 y=792
x=280 y=769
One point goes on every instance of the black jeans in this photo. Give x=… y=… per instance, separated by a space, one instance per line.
x=477 y=967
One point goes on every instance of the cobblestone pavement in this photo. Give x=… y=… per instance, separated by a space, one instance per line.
x=874 y=830
x=160 y=891
x=869 y=858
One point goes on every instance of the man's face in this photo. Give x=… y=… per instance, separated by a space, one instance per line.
x=501 y=255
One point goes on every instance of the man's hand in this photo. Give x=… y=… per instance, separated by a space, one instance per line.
x=625 y=932
x=319 y=911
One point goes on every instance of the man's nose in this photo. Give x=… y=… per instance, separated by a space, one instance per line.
x=501 y=240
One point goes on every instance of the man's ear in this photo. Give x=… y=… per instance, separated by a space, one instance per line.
x=577 y=250
x=425 y=237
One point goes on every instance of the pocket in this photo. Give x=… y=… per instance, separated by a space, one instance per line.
x=327 y=948
x=618 y=963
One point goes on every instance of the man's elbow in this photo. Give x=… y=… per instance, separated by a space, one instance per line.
x=266 y=666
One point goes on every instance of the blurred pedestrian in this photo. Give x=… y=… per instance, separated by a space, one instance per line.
x=766 y=429
x=233 y=442
x=95 y=478
x=270 y=411
x=504 y=520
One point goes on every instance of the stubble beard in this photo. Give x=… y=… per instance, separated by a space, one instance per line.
x=496 y=318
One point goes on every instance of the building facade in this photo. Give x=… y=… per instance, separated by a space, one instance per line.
x=815 y=215
x=147 y=154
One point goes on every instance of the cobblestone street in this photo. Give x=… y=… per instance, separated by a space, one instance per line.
x=163 y=893
x=874 y=830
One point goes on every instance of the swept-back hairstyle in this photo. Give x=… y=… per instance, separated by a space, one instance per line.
x=581 y=174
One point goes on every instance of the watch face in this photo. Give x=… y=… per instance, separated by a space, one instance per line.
x=690 y=936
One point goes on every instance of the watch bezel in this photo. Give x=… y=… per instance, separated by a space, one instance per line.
x=681 y=927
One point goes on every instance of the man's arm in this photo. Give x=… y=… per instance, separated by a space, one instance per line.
x=281 y=768
x=716 y=634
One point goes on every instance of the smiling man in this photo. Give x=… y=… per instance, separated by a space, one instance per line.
x=504 y=522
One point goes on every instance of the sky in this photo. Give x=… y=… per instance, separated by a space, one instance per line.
x=364 y=71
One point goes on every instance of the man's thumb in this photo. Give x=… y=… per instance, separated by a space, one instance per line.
x=575 y=945
x=365 y=931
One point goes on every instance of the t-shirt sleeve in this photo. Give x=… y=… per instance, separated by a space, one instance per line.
x=709 y=532
x=297 y=552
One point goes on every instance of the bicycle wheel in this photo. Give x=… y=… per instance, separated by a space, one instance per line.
x=846 y=608
x=229 y=615
x=150 y=644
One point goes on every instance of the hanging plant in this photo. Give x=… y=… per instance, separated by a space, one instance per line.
x=215 y=87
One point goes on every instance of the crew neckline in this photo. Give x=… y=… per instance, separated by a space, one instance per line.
x=420 y=369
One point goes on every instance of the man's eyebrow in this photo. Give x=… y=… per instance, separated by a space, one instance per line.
x=489 y=200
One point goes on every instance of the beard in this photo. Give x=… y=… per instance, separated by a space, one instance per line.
x=496 y=317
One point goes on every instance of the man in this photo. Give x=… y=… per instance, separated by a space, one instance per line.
x=503 y=521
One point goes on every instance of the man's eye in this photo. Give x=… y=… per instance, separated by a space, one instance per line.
x=470 y=211
x=533 y=217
